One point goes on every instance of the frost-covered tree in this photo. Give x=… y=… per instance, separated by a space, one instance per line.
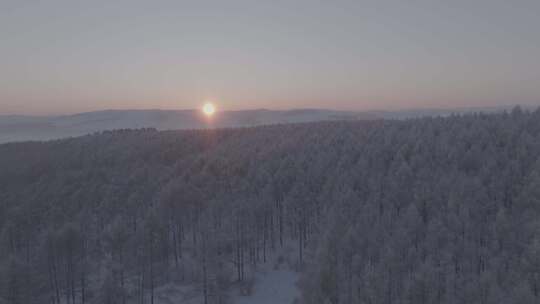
x=430 y=210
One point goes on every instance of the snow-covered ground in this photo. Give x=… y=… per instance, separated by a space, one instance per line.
x=275 y=282
x=172 y=294
x=272 y=287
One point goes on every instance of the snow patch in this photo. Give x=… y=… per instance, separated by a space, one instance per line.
x=272 y=287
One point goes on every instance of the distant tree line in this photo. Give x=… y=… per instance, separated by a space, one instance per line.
x=429 y=210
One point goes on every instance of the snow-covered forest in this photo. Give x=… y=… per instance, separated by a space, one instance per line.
x=428 y=210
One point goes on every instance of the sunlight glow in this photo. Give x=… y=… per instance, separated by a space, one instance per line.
x=208 y=109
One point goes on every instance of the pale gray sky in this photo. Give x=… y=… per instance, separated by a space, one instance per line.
x=70 y=56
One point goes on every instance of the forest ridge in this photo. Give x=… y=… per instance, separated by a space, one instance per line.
x=428 y=210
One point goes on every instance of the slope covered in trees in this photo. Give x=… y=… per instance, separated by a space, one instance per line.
x=432 y=210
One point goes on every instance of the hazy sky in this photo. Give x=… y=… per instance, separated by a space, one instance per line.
x=69 y=56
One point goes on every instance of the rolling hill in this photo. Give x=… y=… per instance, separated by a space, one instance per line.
x=26 y=128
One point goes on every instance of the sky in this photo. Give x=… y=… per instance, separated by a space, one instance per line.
x=71 y=56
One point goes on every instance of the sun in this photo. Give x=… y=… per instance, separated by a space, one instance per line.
x=208 y=109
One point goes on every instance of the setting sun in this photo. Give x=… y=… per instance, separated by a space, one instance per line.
x=209 y=109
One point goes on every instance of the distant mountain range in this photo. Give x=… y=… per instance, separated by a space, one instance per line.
x=27 y=128
x=24 y=128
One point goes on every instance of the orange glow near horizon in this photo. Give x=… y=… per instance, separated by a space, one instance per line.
x=209 y=109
